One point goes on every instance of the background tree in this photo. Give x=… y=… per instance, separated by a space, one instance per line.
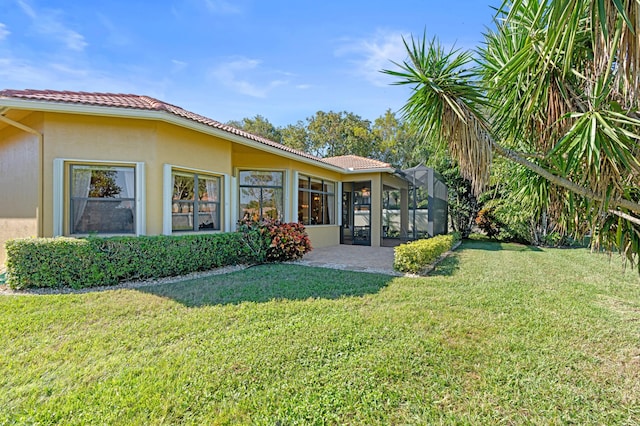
x=397 y=143
x=296 y=136
x=340 y=133
x=103 y=184
x=554 y=90
x=258 y=126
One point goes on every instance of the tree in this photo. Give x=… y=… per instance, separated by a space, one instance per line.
x=295 y=136
x=554 y=89
x=398 y=145
x=258 y=126
x=340 y=133
x=103 y=184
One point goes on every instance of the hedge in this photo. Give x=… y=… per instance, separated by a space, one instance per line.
x=417 y=255
x=79 y=263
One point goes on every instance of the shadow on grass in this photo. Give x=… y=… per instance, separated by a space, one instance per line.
x=263 y=283
x=489 y=245
x=446 y=267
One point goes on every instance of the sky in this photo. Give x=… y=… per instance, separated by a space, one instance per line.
x=231 y=59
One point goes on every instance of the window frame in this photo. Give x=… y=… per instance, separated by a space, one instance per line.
x=282 y=187
x=195 y=203
x=324 y=198
x=62 y=194
x=167 y=198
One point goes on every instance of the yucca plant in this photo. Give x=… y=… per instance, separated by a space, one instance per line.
x=555 y=89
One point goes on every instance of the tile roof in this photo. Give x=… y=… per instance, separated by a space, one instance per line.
x=130 y=101
x=354 y=162
x=120 y=100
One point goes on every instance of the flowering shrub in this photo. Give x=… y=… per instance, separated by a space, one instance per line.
x=273 y=241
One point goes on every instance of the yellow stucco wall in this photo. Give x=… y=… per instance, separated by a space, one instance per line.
x=19 y=183
x=79 y=137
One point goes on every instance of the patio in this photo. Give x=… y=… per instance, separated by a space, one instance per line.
x=352 y=258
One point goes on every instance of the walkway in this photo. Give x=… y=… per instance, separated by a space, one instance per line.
x=352 y=258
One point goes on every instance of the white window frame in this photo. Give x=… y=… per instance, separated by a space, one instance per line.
x=61 y=167
x=286 y=188
x=167 y=198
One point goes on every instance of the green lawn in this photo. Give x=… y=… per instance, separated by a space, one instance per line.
x=498 y=334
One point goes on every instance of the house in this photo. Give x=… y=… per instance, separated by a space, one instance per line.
x=77 y=164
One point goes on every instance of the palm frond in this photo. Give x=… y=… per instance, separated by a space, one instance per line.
x=447 y=101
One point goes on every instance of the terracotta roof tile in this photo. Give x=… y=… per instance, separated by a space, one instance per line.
x=130 y=101
x=121 y=100
x=354 y=162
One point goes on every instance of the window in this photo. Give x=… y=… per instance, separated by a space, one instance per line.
x=103 y=199
x=316 y=201
x=261 y=195
x=195 y=195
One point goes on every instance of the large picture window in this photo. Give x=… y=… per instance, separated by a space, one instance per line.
x=316 y=201
x=261 y=195
x=102 y=199
x=195 y=202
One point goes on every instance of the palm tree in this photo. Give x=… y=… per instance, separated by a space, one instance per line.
x=555 y=89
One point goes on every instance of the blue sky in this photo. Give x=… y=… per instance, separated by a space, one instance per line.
x=230 y=59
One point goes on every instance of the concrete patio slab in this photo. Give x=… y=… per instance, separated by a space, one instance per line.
x=352 y=258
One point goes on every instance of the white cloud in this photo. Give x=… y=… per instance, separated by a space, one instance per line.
x=237 y=75
x=26 y=8
x=48 y=24
x=22 y=73
x=370 y=56
x=4 y=32
x=178 y=66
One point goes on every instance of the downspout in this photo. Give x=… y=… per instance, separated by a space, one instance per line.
x=40 y=137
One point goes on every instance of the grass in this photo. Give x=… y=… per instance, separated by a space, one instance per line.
x=498 y=334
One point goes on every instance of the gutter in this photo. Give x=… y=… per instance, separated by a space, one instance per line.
x=40 y=137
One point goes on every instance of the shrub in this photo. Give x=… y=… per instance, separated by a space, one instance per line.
x=273 y=241
x=487 y=222
x=79 y=263
x=415 y=256
x=53 y=262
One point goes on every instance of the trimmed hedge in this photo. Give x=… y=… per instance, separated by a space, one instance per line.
x=415 y=256
x=91 y=262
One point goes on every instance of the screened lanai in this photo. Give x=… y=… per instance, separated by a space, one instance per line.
x=427 y=206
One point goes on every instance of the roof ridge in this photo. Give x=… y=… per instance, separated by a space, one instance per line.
x=354 y=156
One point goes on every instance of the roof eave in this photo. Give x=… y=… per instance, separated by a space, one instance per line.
x=371 y=170
x=60 y=107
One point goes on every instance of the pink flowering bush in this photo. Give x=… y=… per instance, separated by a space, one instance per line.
x=274 y=241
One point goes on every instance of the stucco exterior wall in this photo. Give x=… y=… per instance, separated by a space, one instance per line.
x=78 y=137
x=19 y=177
x=324 y=235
